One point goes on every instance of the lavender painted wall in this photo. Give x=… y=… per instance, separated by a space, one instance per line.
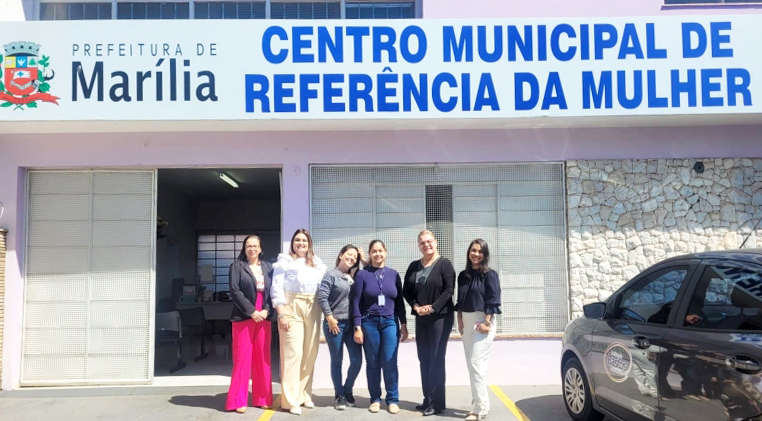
x=440 y=9
x=294 y=151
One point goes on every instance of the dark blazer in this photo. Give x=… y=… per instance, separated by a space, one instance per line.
x=243 y=290
x=437 y=290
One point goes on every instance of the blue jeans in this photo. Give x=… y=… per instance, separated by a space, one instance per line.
x=381 y=342
x=345 y=336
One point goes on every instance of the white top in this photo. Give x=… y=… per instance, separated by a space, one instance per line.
x=293 y=275
x=258 y=276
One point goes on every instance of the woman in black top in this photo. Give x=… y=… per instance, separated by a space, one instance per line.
x=428 y=288
x=250 y=281
x=478 y=303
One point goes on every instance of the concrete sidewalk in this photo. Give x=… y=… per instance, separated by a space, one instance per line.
x=513 y=362
x=540 y=403
x=527 y=370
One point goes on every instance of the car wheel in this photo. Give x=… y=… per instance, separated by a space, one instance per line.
x=576 y=391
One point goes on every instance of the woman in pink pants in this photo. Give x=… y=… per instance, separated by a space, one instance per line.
x=250 y=280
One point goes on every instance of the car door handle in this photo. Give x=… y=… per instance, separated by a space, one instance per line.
x=641 y=342
x=743 y=364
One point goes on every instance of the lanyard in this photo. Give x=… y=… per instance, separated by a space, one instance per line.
x=380 y=279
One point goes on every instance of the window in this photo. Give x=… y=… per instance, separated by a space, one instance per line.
x=75 y=11
x=230 y=10
x=710 y=1
x=727 y=298
x=258 y=9
x=651 y=299
x=305 y=10
x=152 y=10
x=215 y=255
x=383 y=10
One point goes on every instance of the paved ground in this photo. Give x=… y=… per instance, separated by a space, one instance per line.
x=536 y=403
x=513 y=362
x=198 y=391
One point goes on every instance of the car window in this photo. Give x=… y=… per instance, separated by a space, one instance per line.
x=651 y=299
x=728 y=297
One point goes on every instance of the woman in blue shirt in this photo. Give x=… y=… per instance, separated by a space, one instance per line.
x=378 y=311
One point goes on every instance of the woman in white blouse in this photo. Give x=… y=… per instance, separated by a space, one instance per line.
x=296 y=277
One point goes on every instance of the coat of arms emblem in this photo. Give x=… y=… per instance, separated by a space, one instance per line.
x=25 y=76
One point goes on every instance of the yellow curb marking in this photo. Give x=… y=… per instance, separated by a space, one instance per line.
x=509 y=404
x=269 y=412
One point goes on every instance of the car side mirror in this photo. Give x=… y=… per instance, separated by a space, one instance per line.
x=594 y=311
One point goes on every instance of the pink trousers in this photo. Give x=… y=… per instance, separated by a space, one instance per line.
x=251 y=359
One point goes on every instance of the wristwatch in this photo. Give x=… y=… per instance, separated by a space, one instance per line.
x=358 y=328
x=280 y=316
x=487 y=323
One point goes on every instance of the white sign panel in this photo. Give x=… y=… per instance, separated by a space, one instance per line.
x=406 y=69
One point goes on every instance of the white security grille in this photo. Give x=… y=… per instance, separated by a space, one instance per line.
x=89 y=278
x=517 y=208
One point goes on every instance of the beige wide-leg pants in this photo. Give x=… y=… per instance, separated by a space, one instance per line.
x=477 y=347
x=298 y=349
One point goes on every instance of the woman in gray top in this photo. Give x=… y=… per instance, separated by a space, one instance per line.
x=333 y=297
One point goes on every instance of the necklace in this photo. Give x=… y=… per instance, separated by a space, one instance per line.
x=423 y=274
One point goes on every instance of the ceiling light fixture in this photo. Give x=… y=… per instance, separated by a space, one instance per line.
x=226 y=178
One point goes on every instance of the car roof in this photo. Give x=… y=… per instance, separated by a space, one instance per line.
x=753 y=255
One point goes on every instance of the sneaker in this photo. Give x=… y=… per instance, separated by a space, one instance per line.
x=309 y=404
x=393 y=408
x=340 y=403
x=374 y=407
x=295 y=410
x=351 y=400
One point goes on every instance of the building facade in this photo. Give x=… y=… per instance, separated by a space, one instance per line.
x=583 y=140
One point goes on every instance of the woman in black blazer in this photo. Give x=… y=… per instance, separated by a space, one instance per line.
x=250 y=280
x=429 y=286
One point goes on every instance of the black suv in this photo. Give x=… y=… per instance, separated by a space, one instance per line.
x=680 y=341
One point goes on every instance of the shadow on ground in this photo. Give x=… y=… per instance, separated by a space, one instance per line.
x=326 y=401
x=549 y=407
x=216 y=402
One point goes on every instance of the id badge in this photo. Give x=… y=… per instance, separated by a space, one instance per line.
x=381 y=300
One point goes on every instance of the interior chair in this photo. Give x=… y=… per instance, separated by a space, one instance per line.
x=195 y=325
x=749 y=305
x=177 y=288
x=166 y=304
x=169 y=330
